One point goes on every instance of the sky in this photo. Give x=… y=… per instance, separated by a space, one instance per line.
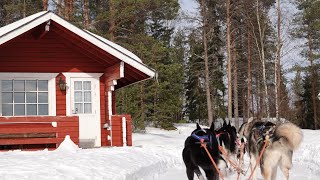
x=155 y=155
x=188 y=5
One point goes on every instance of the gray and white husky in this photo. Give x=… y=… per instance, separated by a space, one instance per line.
x=284 y=138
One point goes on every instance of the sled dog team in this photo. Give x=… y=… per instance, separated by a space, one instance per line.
x=269 y=145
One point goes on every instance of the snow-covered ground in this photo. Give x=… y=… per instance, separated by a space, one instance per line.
x=155 y=155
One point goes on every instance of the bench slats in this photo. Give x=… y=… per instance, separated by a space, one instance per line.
x=29 y=141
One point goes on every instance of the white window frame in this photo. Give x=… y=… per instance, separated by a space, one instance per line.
x=68 y=76
x=50 y=77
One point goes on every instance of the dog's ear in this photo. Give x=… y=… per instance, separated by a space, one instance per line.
x=229 y=124
x=224 y=123
x=198 y=126
x=212 y=126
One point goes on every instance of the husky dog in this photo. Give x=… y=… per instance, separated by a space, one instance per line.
x=195 y=156
x=227 y=138
x=284 y=138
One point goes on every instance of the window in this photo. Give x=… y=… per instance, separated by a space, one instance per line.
x=24 y=97
x=82 y=97
x=27 y=94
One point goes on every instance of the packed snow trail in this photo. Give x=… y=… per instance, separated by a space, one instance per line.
x=156 y=155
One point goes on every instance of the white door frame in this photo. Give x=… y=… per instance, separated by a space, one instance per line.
x=95 y=77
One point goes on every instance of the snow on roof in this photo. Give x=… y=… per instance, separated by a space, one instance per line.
x=19 y=27
x=10 y=27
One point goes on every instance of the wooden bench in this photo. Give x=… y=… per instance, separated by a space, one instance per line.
x=37 y=132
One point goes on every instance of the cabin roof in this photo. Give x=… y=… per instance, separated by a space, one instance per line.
x=19 y=27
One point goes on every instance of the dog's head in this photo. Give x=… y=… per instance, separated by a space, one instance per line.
x=228 y=136
x=205 y=135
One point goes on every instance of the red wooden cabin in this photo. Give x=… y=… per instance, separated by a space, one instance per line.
x=58 y=80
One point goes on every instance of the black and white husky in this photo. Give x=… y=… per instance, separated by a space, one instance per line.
x=284 y=138
x=195 y=156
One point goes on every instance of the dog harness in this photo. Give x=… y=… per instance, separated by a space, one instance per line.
x=206 y=137
x=261 y=131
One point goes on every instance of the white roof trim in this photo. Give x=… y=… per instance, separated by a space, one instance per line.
x=19 y=27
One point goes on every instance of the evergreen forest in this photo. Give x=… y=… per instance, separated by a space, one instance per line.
x=224 y=59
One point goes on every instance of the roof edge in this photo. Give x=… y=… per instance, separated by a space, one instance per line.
x=19 y=27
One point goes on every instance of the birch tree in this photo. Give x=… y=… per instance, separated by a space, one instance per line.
x=204 y=14
x=229 y=62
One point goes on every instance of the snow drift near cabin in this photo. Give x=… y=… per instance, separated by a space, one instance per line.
x=67 y=145
x=155 y=155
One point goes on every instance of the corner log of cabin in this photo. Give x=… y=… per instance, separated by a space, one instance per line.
x=110 y=76
x=114 y=72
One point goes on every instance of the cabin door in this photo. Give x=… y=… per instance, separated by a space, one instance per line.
x=85 y=103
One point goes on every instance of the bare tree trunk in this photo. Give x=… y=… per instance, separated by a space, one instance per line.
x=277 y=66
x=143 y=106
x=229 y=63
x=86 y=14
x=60 y=8
x=252 y=104
x=71 y=2
x=261 y=38
x=205 y=47
x=249 y=76
x=258 y=98
x=312 y=81
x=235 y=87
x=45 y=5
x=112 y=23
x=24 y=8
x=66 y=9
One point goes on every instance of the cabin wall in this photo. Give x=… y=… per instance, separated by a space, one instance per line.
x=61 y=98
x=104 y=114
x=48 y=54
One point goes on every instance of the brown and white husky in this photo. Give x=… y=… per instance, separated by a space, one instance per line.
x=284 y=138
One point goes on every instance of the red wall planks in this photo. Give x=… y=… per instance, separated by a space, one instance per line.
x=48 y=54
x=66 y=125
x=117 y=131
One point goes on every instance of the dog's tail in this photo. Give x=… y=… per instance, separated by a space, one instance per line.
x=291 y=132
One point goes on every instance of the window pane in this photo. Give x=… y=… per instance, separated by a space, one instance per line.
x=43 y=85
x=7 y=98
x=31 y=109
x=43 y=109
x=78 y=108
x=31 y=85
x=31 y=97
x=77 y=85
x=78 y=96
x=87 y=85
x=87 y=108
x=19 y=98
x=19 y=109
x=19 y=85
x=43 y=97
x=6 y=85
x=7 y=110
x=87 y=96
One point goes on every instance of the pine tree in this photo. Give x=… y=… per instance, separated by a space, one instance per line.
x=307 y=26
x=13 y=10
x=196 y=108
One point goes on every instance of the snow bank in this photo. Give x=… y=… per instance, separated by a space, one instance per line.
x=67 y=145
x=155 y=155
